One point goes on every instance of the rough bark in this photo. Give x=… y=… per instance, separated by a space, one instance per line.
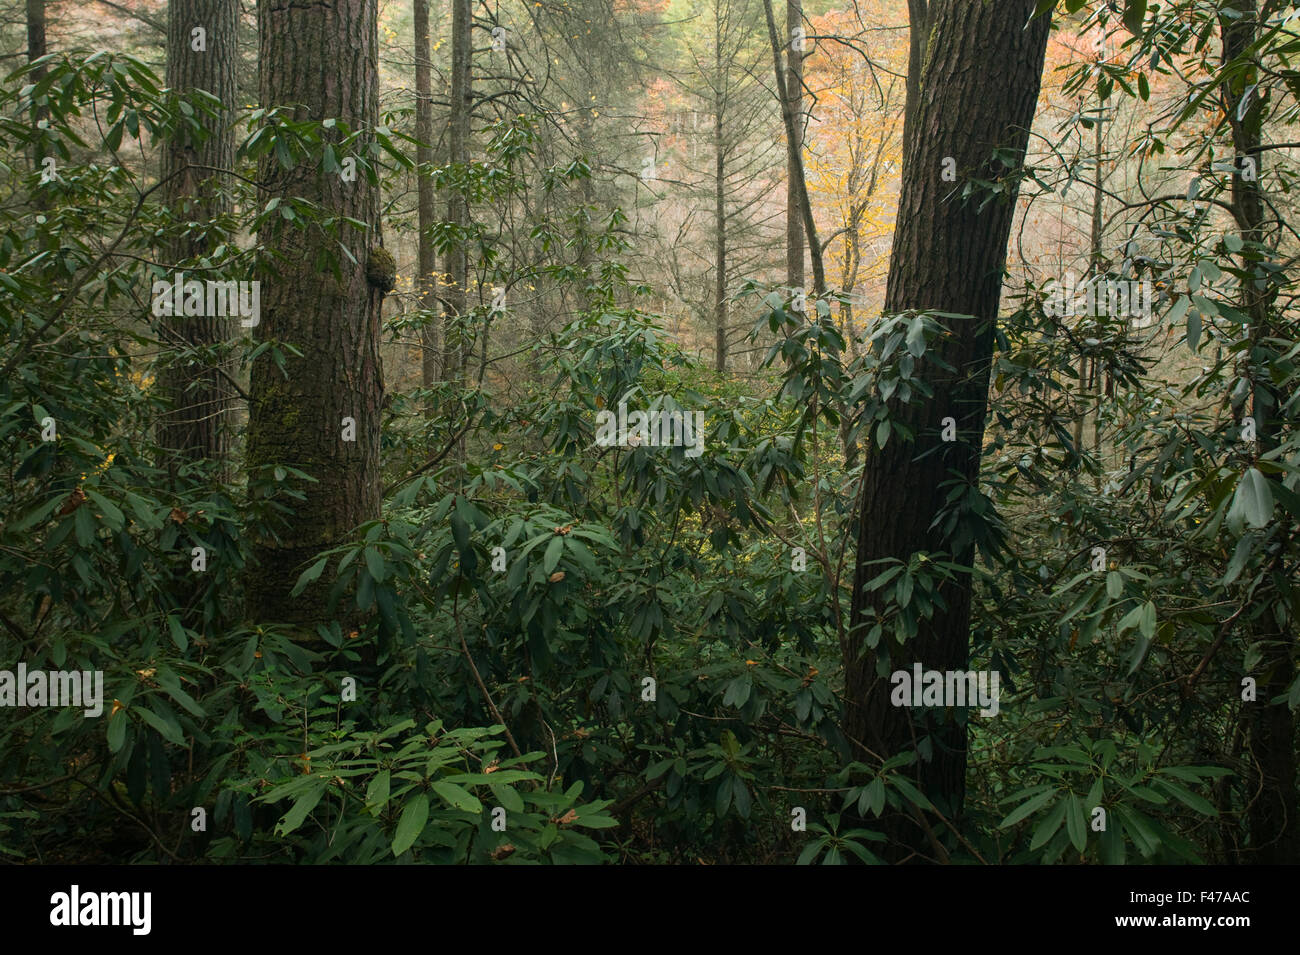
x=918 y=33
x=1270 y=728
x=426 y=209
x=296 y=417
x=978 y=92
x=456 y=258
x=35 y=50
x=794 y=240
x=197 y=424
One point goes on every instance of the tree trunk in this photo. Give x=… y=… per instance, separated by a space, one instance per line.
x=426 y=211
x=918 y=33
x=296 y=417
x=796 y=172
x=36 y=50
x=456 y=259
x=719 y=211
x=978 y=92
x=1270 y=727
x=197 y=424
x=794 y=244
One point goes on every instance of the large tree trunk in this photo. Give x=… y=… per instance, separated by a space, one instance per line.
x=426 y=211
x=978 y=92
x=456 y=258
x=1270 y=727
x=323 y=56
x=197 y=424
x=918 y=32
x=794 y=243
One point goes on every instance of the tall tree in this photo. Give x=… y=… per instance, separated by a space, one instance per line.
x=794 y=49
x=36 y=50
x=426 y=210
x=794 y=135
x=456 y=258
x=1270 y=726
x=321 y=414
x=918 y=32
x=977 y=95
x=193 y=377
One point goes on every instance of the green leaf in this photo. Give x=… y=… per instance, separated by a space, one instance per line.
x=377 y=792
x=1048 y=827
x=1188 y=798
x=298 y=812
x=168 y=729
x=553 y=551
x=117 y=730
x=509 y=799
x=1026 y=809
x=414 y=815
x=1193 y=328
x=1114 y=585
x=112 y=516
x=742 y=799
x=1075 y=824
x=914 y=795
x=177 y=633
x=1253 y=500
x=308 y=575
x=375 y=564
x=1147 y=620
x=1135 y=12
x=456 y=796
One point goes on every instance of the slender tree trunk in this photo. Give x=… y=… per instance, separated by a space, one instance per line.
x=297 y=417
x=794 y=244
x=456 y=259
x=36 y=50
x=201 y=36
x=1273 y=809
x=426 y=210
x=719 y=211
x=1088 y=371
x=796 y=170
x=978 y=92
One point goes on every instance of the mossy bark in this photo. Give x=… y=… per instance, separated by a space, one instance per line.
x=324 y=58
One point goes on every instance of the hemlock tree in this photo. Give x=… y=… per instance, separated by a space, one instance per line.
x=977 y=95
x=426 y=210
x=456 y=256
x=794 y=197
x=321 y=414
x=1269 y=723
x=200 y=56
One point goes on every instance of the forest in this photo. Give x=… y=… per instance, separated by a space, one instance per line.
x=649 y=432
